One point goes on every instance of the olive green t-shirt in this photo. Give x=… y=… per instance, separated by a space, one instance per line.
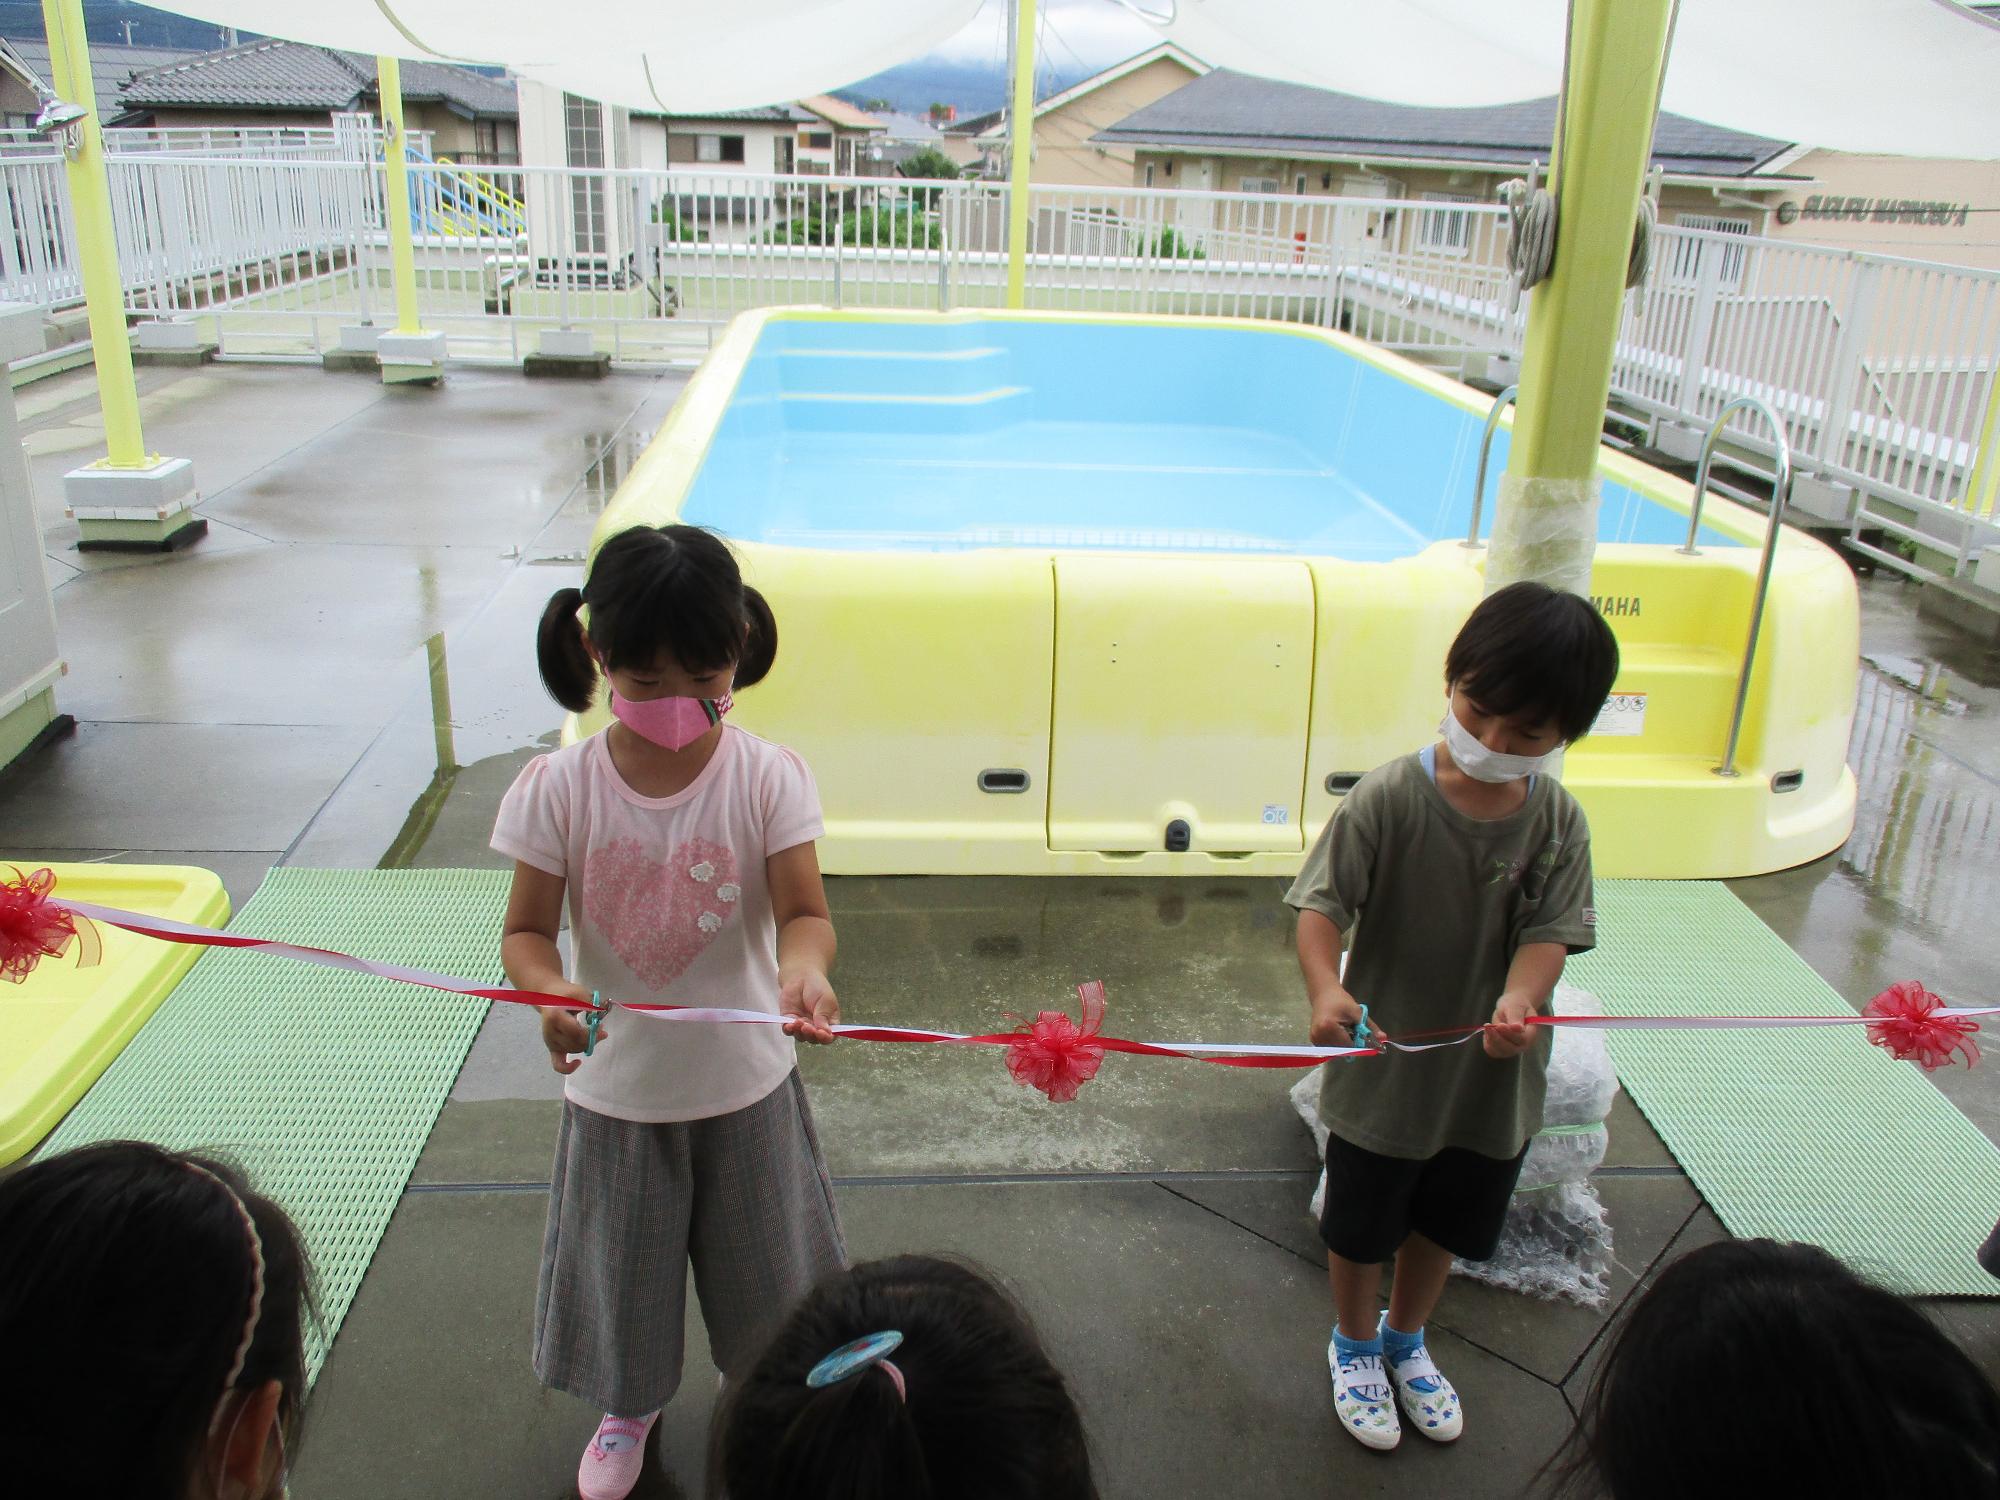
x=1433 y=905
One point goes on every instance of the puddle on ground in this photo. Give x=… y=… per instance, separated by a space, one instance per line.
x=1926 y=819
x=1927 y=679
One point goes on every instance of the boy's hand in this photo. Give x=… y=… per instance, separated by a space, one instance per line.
x=808 y=1003
x=1334 y=1014
x=1510 y=1034
x=564 y=1032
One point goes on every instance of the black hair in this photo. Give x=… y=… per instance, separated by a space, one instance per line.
x=1537 y=653
x=126 y=1266
x=653 y=589
x=1753 y=1367
x=987 y=1416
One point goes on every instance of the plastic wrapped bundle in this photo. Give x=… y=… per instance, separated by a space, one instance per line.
x=1556 y=1241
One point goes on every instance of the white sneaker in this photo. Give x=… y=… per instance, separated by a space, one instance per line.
x=1427 y=1398
x=1361 y=1395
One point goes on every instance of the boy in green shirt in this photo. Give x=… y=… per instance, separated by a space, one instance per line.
x=1461 y=877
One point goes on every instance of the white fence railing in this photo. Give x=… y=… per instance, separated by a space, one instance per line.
x=1881 y=368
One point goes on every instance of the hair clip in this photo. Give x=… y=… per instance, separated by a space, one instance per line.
x=852 y=1359
x=592 y=1020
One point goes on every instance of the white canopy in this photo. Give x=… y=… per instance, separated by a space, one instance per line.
x=666 y=56
x=1896 y=77
x=1901 y=77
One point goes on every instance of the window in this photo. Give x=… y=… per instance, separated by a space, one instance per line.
x=1688 y=251
x=819 y=140
x=718 y=148
x=785 y=155
x=1299 y=184
x=843 y=157
x=1259 y=184
x=1149 y=174
x=1442 y=230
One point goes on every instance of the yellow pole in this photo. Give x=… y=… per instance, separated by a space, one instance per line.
x=1020 y=152
x=396 y=161
x=1545 y=525
x=1982 y=484
x=96 y=240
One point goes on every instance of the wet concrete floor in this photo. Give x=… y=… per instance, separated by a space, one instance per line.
x=341 y=674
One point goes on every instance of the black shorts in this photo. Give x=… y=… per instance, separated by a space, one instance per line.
x=1457 y=1199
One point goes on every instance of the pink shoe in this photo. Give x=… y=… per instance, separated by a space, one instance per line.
x=616 y=1454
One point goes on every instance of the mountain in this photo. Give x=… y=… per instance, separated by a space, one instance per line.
x=912 y=87
x=118 y=21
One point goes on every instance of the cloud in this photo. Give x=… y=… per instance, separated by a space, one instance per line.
x=1093 y=33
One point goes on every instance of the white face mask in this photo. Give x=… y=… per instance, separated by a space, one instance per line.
x=1486 y=765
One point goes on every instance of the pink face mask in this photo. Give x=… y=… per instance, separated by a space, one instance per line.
x=671 y=723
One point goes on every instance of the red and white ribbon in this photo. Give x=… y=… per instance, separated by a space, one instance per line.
x=1055 y=1054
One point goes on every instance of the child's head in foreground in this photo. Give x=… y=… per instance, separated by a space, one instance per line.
x=963 y=1404
x=1530 y=670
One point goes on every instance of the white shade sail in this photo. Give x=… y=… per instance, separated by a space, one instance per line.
x=1899 y=77
x=1895 y=77
x=665 y=56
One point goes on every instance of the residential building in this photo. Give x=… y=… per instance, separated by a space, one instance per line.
x=964 y=143
x=820 y=136
x=111 y=67
x=471 y=117
x=1068 y=146
x=1227 y=131
x=903 y=136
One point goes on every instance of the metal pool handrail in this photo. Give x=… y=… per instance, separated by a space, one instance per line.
x=1781 y=490
x=1485 y=450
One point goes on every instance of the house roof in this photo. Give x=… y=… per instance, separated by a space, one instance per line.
x=763 y=114
x=110 y=65
x=278 y=75
x=1235 y=112
x=1165 y=52
x=976 y=124
x=840 y=112
x=909 y=128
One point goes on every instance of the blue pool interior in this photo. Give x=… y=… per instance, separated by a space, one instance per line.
x=945 y=435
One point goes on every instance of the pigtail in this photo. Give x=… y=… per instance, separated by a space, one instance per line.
x=567 y=670
x=851 y=1441
x=760 y=649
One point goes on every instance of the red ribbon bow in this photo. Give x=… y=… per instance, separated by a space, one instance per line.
x=32 y=928
x=1905 y=1020
x=1055 y=1054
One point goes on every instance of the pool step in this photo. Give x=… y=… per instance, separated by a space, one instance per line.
x=941 y=413
x=891 y=372
x=1687 y=694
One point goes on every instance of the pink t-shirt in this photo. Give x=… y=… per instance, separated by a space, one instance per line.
x=668 y=902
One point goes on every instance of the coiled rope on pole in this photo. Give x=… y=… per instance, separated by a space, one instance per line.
x=1531 y=235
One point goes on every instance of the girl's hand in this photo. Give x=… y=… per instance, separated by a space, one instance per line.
x=564 y=1032
x=1510 y=1034
x=1334 y=1014
x=808 y=1003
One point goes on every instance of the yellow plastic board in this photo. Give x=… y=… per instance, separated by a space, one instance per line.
x=1183 y=690
x=61 y=1026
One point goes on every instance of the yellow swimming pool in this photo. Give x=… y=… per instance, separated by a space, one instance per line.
x=1086 y=595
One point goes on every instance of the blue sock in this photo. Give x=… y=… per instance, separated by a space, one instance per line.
x=1396 y=1343
x=1348 y=1348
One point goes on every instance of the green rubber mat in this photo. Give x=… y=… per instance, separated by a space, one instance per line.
x=322 y=1085
x=1807 y=1135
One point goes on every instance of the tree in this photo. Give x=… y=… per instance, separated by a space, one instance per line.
x=930 y=164
x=880 y=106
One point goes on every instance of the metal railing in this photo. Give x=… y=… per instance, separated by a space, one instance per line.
x=1500 y=404
x=1781 y=489
x=1879 y=368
